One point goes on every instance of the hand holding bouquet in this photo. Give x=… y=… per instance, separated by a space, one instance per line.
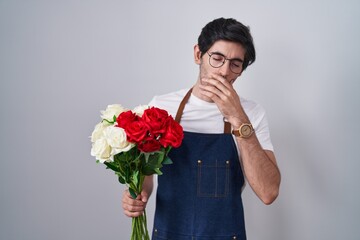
x=134 y=144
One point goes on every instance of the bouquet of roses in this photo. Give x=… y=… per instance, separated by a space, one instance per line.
x=134 y=144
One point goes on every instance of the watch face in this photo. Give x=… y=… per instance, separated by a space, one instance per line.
x=246 y=130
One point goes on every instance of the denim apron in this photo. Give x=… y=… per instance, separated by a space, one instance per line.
x=199 y=195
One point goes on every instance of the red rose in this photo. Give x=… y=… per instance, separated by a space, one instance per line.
x=125 y=118
x=150 y=145
x=137 y=131
x=173 y=135
x=155 y=118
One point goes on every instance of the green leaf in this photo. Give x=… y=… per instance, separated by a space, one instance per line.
x=135 y=178
x=167 y=150
x=127 y=175
x=114 y=118
x=167 y=160
x=147 y=171
x=112 y=166
x=153 y=163
x=132 y=193
x=146 y=155
x=156 y=159
x=158 y=172
x=120 y=157
x=121 y=179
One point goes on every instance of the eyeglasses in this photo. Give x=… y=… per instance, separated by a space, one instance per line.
x=216 y=60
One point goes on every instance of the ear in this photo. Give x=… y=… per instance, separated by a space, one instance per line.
x=197 y=54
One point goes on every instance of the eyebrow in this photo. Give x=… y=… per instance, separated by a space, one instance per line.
x=231 y=59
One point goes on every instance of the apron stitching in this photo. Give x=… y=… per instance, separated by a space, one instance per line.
x=216 y=178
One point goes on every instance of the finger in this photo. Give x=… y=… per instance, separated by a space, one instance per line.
x=144 y=196
x=217 y=86
x=212 y=92
x=212 y=89
x=128 y=195
x=228 y=104
x=133 y=208
x=133 y=214
x=227 y=83
x=133 y=202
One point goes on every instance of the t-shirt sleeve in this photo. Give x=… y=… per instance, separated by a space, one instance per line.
x=261 y=126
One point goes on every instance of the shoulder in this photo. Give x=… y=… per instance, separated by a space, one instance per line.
x=173 y=96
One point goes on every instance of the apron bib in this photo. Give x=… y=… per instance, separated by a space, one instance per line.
x=199 y=195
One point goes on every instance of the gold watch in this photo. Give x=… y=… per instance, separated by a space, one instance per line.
x=244 y=131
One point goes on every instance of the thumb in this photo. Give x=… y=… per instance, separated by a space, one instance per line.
x=144 y=196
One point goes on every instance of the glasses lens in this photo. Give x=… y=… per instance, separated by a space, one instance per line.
x=217 y=60
x=236 y=66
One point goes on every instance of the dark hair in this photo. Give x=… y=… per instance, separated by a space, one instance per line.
x=230 y=30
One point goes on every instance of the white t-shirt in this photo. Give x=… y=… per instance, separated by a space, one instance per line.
x=204 y=117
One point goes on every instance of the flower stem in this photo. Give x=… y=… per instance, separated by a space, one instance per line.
x=139 y=228
x=139 y=224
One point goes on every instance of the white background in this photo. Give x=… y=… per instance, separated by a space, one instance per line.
x=61 y=62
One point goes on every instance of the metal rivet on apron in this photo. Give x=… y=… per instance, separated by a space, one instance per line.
x=234 y=237
x=227 y=162
x=199 y=161
x=155 y=230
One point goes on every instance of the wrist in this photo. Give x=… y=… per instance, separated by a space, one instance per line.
x=236 y=122
x=245 y=130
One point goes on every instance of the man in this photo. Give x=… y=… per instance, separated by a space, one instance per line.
x=226 y=138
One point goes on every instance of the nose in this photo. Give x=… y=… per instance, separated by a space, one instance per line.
x=224 y=70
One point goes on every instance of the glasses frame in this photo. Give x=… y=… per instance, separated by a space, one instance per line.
x=225 y=59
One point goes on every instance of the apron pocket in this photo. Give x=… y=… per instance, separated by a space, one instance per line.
x=213 y=179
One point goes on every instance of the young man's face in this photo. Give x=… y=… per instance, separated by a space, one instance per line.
x=231 y=69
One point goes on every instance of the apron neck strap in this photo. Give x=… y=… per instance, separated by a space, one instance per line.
x=227 y=125
x=182 y=106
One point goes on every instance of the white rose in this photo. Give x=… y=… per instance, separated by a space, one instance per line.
x=116 y=138
x=101 y=150
x=98 y=131
x=139 y=110
x=111 y=111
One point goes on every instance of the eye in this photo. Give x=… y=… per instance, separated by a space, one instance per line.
x=217 y=58
x=236 y=64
